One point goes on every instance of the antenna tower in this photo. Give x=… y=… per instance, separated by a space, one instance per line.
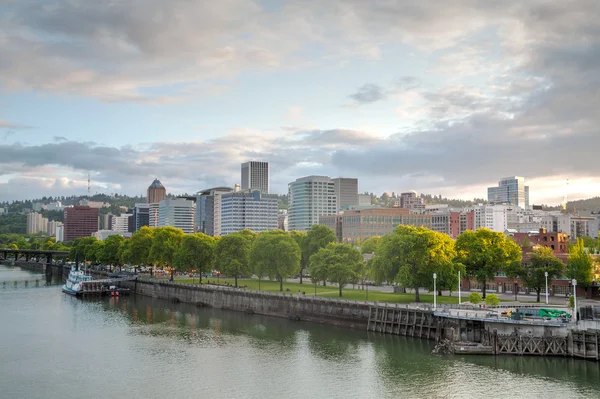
x=89 y=184
x=566 y=198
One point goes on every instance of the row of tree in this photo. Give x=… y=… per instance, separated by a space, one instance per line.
x=408 y=257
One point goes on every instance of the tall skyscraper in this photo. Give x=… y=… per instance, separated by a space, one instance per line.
x=156 y=192
x=511 y=190
x=346 y=190
x=80 y=221
x=255 y=175
x=309 y=198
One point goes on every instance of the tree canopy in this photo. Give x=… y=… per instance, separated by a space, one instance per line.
x=196 y=252
x=370 y=245
x=140 y=245
x=411 y=255
x=580 y=265
x=233 y=254
x=300 y=238
x=337 y=263
x=532 y=273
x=165 y=243
x=275 y=254
x=485 y=252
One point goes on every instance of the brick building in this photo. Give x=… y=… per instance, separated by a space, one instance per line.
x=80 y=221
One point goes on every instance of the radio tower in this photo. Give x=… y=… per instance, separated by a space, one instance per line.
x=89 y=184
x=566 y=198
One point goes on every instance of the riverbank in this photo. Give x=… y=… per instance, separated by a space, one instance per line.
x=471 y=328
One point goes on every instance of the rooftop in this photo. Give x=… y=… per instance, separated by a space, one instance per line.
x=156 y=184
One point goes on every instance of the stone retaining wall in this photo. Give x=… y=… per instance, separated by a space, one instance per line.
x=353 y=314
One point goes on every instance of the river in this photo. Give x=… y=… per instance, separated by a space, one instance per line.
x=56 y=346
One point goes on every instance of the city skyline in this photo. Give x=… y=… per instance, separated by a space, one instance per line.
x=403 y=96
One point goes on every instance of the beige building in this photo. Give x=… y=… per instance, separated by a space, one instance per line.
x=357 y=225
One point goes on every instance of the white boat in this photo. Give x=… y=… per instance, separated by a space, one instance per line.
x=73 y=284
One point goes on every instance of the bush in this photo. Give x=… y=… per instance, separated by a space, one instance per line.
x=474 y=298
x=571 y=302
x=492 y=300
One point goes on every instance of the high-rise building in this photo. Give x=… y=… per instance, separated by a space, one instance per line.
x=510 y=190
x=141 y=215
x=156 y=192
x=255 y=175
x=35 y=223
x=80 y=221
x=248 y=209
x=208 y=210
x=179 y=213
x=346 y=190
x=310 y=197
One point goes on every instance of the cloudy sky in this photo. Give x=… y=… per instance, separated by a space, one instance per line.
x=443 y=97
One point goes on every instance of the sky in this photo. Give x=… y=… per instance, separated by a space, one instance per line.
x=441 y=97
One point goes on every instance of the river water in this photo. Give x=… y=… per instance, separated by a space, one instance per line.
x=56 y=346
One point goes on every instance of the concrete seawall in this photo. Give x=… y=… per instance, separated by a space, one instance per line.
x=352 y=314
x=494 y=337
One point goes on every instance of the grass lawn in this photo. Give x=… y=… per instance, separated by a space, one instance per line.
x=309 y=288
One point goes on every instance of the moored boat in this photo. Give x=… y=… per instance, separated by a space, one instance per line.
x=73 y=285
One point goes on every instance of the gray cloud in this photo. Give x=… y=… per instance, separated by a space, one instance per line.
x=529 y=107
x=368 y=93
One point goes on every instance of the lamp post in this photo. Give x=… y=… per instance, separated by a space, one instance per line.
x=546 y=274
x=459 y=284
x=434 y=292
x=574 y=299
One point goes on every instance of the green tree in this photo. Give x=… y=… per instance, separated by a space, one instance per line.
x=370 y=245
x=493 y=300
x=475 y=297
x=317 y=237
x=139 y=247
x=338 y=263
x=300 y=238
x=275 y=254
x=79 y=248
x=94 y=252
x=484 y=253
x=111 y=253
x=411 y=255
x=165 y=242
x=532 y=273
x=580 y=265
x=196 y=252
x=233 y=254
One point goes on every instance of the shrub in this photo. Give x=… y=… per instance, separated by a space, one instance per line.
x=492 y=300
x=474 y=298
x=571 y=302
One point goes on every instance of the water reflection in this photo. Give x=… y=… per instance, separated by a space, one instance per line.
x=149 y=348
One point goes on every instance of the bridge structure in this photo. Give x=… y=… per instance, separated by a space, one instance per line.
x=33 y=256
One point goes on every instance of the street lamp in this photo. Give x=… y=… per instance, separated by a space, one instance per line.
x=546 y=274
x=459 y=284
x=574 y=299
x=434 y=292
